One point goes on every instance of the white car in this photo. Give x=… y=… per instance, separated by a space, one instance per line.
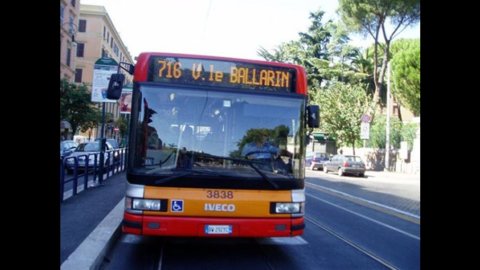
x=90 y=149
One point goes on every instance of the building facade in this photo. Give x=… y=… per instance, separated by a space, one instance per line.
x=96 y=38
x=69 y=12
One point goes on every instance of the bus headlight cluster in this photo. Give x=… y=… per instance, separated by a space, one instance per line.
x=288 y=208
x=142 y=204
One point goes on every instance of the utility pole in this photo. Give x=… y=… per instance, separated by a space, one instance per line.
x=387 y=139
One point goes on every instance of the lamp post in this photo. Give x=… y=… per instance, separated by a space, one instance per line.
x=387 y=139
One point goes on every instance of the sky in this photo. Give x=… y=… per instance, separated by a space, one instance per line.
x=231 y=28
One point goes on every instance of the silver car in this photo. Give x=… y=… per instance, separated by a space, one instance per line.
x=90 y=149
x=345 y=164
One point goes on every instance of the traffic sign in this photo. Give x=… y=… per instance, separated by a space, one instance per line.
x=366 y=118
x=364 y=131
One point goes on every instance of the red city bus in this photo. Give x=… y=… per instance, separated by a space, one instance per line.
x=216 y=147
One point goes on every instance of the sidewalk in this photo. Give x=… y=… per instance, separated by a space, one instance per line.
x=83 y=214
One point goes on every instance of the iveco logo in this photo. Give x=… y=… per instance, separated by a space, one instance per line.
x=219 y=207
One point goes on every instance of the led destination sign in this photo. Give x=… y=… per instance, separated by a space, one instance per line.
x=189 y=71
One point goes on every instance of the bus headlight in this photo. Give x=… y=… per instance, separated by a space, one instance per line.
x=288 y=208
x=145 y=204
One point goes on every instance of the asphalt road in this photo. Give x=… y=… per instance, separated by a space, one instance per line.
x=341 y=233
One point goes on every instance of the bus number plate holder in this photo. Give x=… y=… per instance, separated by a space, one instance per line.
x=218 y=229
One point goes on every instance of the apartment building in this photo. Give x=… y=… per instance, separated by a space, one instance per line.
x=69 y=11
x=96 y=38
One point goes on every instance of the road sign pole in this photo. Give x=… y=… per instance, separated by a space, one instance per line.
x=103 y=69
x=387 y=139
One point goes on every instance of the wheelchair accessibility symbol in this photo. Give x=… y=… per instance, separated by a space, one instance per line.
x=177 y=206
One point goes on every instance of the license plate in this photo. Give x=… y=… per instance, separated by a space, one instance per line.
x=218 y=229
x=355 y=166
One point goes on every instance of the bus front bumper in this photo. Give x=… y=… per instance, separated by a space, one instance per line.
x=212 y=227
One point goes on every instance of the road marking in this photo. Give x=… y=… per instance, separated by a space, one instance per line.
x=352 y=244
x=160 y=260
x=367 y=218
x=378 y=206
x=297 y=240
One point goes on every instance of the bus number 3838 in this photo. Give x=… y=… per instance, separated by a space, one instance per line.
x=219 y=194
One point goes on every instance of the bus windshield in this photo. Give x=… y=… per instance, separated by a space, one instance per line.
x=180 y=131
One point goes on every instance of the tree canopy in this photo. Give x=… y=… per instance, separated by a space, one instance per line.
x=406 y=73
x=341 y=108
x=76 y=107
x=370 y=17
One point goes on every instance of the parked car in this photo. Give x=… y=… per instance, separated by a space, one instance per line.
x=91 y=149
x=67 y=147
x=115 y=146
x=112 y=142
x=345 y=164
x=315 y=160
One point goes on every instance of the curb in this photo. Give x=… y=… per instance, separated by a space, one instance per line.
x=90 y=253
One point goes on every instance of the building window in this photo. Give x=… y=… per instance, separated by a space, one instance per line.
x=78 y=75
x=82 y=25
x=104 y=53
x=62 y=11
x=71 y=29
x=69 y=52
x=111 y=42
x=72 y=2
x=80 y=49
x=104 y=32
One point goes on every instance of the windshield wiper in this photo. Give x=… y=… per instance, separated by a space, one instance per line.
x=250 y=163
x=188 y=172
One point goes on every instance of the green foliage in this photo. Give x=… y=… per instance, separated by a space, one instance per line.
x=406 y=74
x=369 y=17
x=76 y=107
x=409 y=132
x=398 y=132
x=341 y=108
x=324 y=52
x=328 y=59
x=378 y=132
x=122 y=125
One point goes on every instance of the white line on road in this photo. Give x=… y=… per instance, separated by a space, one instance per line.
x=364 y=200
x=160 y=260
x=365 y=217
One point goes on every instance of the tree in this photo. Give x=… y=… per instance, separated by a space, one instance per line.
x=76 y=107
x=406 y=74
x=370 y=17
x=324 y=52
x=378 y=133
x=341 y=108
x=122 y=126
x=398 y=132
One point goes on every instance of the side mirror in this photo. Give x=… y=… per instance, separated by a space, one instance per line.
x=313 y=116
x=115 y=86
